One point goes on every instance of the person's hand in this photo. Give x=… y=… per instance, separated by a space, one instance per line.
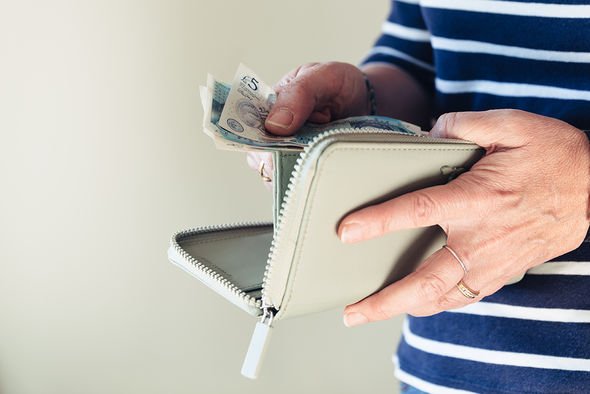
x=524 y=203
x=315 y=92
x=262 y=163
x=319 y=93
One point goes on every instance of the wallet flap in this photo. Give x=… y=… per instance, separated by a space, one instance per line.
x=311 y=269
x=229 y=259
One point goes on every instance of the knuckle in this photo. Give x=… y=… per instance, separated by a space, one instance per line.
x=432 y=287
x=423 y=207
x=386 y=224
x=449 y=120
x=379 y=308
x=444 y=303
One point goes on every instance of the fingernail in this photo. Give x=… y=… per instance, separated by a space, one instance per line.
x=354 y=319
x=281 y=118
x=350 y=232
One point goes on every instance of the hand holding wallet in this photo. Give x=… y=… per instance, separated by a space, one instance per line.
x=297 y=265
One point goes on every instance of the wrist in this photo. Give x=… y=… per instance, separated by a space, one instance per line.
x=370 y=93
x=398 y=95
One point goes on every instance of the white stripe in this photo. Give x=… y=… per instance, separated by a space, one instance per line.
x=525 y=312
x=422 y=384
x=512 y=8
x=561 y=268
x=469 y=46
x=494 y=356
x=401 y=55
x=407 y=33
x=509 y=89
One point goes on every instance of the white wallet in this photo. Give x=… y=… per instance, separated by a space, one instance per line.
x=297 y=265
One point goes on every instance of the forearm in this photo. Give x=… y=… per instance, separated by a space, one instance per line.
x=398 y=95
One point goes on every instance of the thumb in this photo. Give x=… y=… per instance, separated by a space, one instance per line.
x=294 y=104
x=310 y=93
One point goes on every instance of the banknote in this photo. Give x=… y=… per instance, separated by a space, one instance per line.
x=247 y=106
x=235 y=114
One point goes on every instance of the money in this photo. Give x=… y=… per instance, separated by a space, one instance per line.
x=247 y=106
x=235 y=114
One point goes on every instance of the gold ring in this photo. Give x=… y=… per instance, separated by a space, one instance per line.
x=466 y=290
x=264 y=177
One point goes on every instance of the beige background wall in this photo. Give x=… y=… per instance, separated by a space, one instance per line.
x=102 y=158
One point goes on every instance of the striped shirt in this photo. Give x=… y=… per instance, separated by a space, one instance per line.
x=533 y=336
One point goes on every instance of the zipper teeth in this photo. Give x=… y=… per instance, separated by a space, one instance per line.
x=209 y=272
x=287 y=203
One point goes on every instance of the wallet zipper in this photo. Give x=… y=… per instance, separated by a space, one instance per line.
x=263 y=329
x=210 y=273
x=288 y=203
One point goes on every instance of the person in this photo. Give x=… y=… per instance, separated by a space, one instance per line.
x=514 y=78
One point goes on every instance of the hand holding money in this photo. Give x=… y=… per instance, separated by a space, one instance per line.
x=318 y=93
x=235 y=114
x=250 y=115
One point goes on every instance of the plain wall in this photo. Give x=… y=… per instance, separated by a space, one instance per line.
x=102 y=158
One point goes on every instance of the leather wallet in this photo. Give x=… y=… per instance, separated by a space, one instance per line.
x=297 y=265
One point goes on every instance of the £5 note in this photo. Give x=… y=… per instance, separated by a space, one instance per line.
x=247 y=106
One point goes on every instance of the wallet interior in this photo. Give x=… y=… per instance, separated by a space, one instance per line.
x=236 y=254
x=229 y=258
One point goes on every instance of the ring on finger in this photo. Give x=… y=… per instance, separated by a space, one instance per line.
x=456 y=256
x=467 y=291
x=264 y=177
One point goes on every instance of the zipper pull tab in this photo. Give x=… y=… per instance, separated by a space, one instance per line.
x=258 y=345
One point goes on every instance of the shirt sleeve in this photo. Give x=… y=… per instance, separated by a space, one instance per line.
x=405 y=43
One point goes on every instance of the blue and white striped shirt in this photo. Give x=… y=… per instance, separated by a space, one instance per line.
x=533 y=336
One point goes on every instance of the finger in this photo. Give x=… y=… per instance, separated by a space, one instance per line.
x=481 y=281
x=488 y=129
x=254 y=158
x=299 y=94
x=453 y=299
x=437 y=275
x=321 y=116
x=268 y=185
x=422 y=208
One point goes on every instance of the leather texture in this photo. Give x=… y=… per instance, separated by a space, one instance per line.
x=237 y=254
x=311 y=269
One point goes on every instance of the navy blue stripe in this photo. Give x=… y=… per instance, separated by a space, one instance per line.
x=409 y=15
x=539 y=33
x=504 y=334
x=460 y=66
x=423 y=76
x=419 y=50
x=580 y=2
x=489 y=378
x=582 y=253
x=543 y=291
x=546 y=291
x=575 y=112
